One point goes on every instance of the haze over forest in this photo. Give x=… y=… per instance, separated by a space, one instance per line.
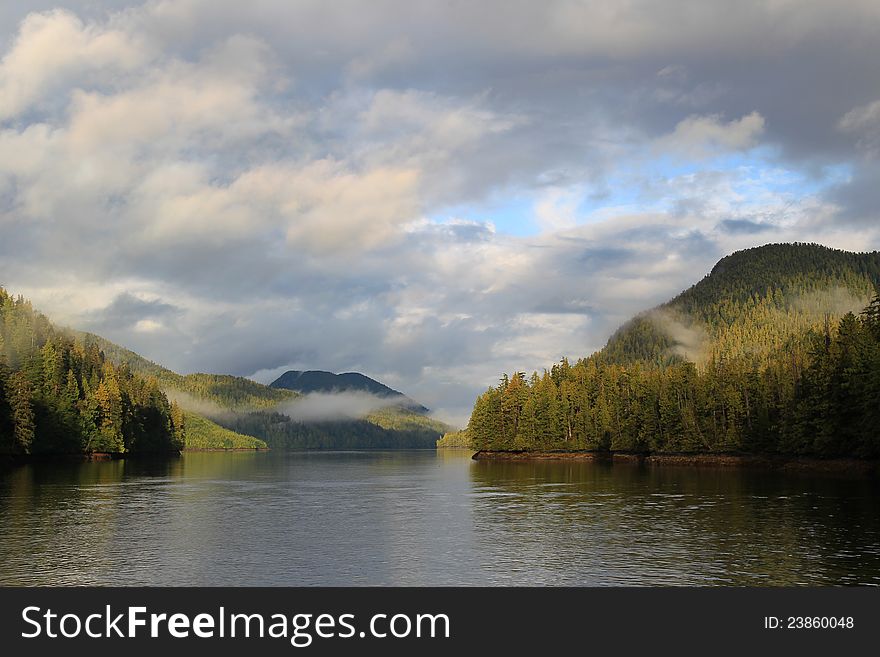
x=430 y=194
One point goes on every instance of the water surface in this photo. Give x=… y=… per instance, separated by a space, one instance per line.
x=426 y=518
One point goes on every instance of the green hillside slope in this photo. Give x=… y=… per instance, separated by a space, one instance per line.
x=764 y=355
x=202 y=433
x=251 y=409
x=752 y=302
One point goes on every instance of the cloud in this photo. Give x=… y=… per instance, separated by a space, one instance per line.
x=743 y=226
x=330 y=208
x=858 y=196
x=430 y=193
x=394 y=54
x=319 y=406
x=864 y=121
x=557 y=209
x=55 y=47
x=689 y=340
x=700 y=137
x=129 y=311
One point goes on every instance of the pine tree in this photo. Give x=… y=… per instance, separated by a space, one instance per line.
x=19 y=393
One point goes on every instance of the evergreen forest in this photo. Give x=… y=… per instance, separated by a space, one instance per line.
x=776 y=351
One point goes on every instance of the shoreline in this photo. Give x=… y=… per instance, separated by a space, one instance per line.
x=867 y=468
x=90 y=457
x=97 y=457
x=225 y=449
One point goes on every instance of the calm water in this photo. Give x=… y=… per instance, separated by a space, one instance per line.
x=420 y=518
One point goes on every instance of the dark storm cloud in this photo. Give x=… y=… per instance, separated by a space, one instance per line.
x=859 y=197
x=126 y=310
x=743 y=226
x=595 y=259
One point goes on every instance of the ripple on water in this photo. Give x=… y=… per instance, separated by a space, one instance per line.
x=414 y=518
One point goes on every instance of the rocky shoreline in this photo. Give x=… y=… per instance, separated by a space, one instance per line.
x=758 y=461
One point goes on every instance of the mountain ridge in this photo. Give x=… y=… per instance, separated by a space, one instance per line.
x=775 y=351
x=322 y=381
x=801 y=281
x=237 y=405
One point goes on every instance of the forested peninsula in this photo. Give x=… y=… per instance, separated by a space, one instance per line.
x=775 y=353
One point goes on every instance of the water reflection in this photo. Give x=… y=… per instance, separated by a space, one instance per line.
x=584 y=523
x=420 y=518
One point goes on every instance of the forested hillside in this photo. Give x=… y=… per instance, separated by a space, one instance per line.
x=224 y=391
x=762 y=356
x=61 y=396
x=750 y=304
x=281 y=432
x=202 y=433
x=243 y=411
x=68 y=392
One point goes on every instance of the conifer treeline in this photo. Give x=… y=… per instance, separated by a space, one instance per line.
x=819 y=395
x=59 y=396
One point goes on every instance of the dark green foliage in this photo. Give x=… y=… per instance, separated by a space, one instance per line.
x=753 y=301
x=59 y=396
x=231 y=392
x=780 y=368
x=202 y=433
x=455 y=440
x=387 y=428
x=280 y=431
x=395 y=418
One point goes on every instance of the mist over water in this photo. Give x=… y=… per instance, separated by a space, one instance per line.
x=429 y=518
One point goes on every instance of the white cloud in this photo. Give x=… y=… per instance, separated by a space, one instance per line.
x=54 y=49
x=332 y=209
x=148 y=326
x=556 y=209
x=394 y=54
x=700 y=137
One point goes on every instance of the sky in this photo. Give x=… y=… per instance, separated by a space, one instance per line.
x=431 y=193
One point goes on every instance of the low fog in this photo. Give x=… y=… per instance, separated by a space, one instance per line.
x=313 y=407
x=322 y=406
x=195 y=405
x=837 y=301
x=689 y=337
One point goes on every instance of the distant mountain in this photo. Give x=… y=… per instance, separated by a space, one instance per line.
x=224 y=409
x=305 y=382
